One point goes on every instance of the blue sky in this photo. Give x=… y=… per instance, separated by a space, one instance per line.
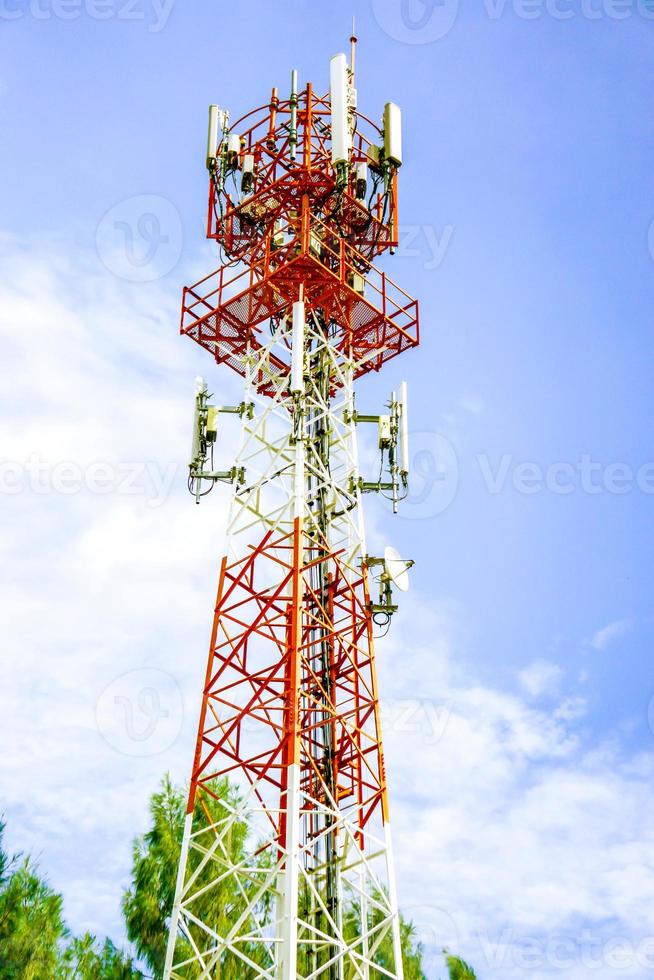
x=520 y=750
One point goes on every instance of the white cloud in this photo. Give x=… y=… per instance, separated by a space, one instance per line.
x=603 y=638
x=516 y=841
x=541 y=677
x=95 y=584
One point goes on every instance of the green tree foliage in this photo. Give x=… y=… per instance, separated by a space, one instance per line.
x=458 y=968
x=31 y=925
x=84 y=959
x=36 y=945
x=4 y=858
x=34 y=941
x=411 y=952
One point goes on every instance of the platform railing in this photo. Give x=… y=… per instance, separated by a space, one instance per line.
x=304 y=237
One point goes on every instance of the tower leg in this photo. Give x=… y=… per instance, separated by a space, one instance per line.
x=392 y=894
x=291 y=889
x=179 y=887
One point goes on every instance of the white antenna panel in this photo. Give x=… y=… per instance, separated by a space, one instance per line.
x=404 y=428
x=338 y=90
x=297 y=352
x=233 y=148
x=200 y=389
x=393 y=133
x=212 y=134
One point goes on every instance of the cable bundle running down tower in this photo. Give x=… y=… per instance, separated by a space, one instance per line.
x=303 y=198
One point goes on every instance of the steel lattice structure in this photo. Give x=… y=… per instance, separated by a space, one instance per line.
x=290 y=707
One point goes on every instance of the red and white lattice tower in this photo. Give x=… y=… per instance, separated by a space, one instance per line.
x=303 y=197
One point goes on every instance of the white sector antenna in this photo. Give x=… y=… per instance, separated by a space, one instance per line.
x=200 y=390
x=404 y=429
x=397 y=568
x=212 y=134
x=297 y=352
x=393 y=133
x=338 y=90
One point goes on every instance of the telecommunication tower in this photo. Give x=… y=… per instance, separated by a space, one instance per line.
x=302 y=199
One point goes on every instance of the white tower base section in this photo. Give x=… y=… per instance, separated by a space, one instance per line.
x=289 y=740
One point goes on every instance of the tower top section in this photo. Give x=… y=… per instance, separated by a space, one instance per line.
x=302 y=199
x=263 y=164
